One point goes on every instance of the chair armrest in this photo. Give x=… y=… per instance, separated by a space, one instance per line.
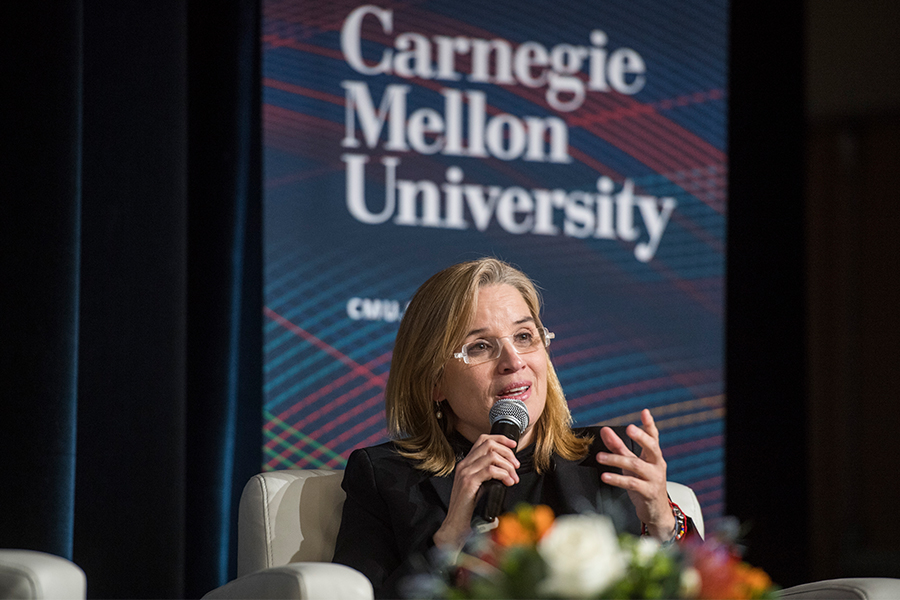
x=863 y=588
x=298 y=581
x=35 y=575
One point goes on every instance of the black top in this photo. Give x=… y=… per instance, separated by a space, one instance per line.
x=393 y=509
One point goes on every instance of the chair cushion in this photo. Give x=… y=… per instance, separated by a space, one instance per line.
x=33 y=575
x=289 y=516
x=861 y=588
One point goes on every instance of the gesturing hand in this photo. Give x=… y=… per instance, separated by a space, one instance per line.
x=643 y=477
x=491 y=457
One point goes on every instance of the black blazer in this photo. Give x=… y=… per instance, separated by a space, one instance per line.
x=393 y=509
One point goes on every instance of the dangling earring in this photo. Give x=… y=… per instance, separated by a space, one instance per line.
x=437 y=411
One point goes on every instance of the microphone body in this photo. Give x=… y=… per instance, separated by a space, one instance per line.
x=508 y=418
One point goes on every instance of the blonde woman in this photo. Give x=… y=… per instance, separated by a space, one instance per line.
x=472 y=336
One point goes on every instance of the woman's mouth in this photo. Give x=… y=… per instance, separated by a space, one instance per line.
x=514 y=391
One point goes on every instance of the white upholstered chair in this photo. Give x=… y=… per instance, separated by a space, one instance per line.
x=287 y=526
x=288 y=522
x=32 y=575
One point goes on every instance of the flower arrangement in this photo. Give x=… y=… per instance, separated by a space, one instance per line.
x=532 y=554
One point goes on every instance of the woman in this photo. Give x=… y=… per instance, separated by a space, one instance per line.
x=472 y=335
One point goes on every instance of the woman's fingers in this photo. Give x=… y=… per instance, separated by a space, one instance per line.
x=491 y=457
x=630 y=465
x=648 y=439
x=649 y=424
x=646 y=436
x=614 y=443
x=637 y=485
x=644 y=476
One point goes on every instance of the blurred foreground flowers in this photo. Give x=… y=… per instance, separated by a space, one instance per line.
x=531 y=554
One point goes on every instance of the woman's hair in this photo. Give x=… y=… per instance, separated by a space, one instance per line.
x=434 y=326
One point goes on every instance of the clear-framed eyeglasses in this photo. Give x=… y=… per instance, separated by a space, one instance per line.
x=490 y=348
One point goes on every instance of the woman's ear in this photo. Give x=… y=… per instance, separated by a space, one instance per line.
x=436 y=394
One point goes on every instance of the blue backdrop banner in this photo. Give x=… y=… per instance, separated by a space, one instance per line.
x=583 y=142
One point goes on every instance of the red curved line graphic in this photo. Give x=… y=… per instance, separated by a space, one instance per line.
x=331 y=351
x=335 y=384
x=317 y=434
x=328 y=408
x=373 y=420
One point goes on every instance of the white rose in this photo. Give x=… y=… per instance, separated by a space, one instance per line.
x=583 y=555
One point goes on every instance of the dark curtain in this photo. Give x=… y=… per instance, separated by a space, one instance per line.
x=39 y=258
x=766 y=425
x=132 y=301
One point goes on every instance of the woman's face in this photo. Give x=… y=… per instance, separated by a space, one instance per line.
x=471 y=390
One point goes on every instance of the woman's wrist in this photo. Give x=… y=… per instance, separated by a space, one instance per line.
x=449 y=538
x=670 y=532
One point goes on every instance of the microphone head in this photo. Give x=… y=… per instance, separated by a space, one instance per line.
x=511 y=411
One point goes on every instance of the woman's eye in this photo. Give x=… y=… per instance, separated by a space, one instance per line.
x=524 y=338
x=479 y=347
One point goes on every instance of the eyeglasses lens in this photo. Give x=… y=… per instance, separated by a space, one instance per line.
x=487 y=349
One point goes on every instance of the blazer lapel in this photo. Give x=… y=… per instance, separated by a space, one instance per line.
x=442 y=486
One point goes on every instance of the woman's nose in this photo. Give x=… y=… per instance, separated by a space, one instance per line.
x=509 y=360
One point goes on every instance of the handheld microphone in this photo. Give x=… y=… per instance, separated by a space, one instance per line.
x=509 y=418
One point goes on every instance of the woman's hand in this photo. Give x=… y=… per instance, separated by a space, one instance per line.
x=643 y=477
x=491 y=457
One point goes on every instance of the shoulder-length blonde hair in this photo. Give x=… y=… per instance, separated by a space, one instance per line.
x=433 y=327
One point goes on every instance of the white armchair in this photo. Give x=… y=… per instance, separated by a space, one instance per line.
x=287 y=526
x=31 y=575
x=861 y=588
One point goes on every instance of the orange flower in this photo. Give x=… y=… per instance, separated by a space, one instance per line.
x=524 y=527
x=716 y=566
x=510 y=532
x=753 y=581
x=724 y=575
x=543 y=520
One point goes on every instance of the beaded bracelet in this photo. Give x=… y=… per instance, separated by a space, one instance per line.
x=680 y=525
